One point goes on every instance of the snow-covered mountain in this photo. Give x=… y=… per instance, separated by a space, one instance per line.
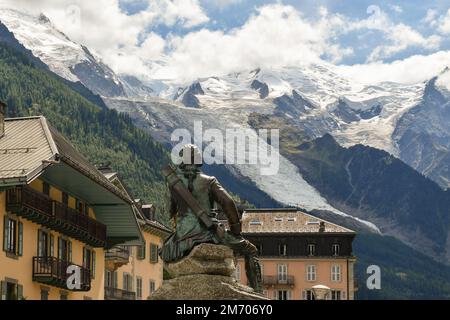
x=66 y=58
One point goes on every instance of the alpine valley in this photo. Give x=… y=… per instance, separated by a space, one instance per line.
x=374 y=157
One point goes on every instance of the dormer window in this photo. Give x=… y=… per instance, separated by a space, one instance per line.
x=335 y=248
x=311 y=249
x=282 y=249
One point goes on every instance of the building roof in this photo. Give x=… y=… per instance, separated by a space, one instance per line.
x=282 y=221
x=32 y=148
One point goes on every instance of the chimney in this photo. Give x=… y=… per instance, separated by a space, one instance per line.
x=2 y=118
x=322 y=226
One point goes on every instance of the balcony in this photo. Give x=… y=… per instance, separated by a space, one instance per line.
x=53 y=271
x=275 y=281
x=41 y=209
x=116 y=257
x=119 y=294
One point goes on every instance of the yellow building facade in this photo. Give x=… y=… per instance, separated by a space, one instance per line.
x=58 y=216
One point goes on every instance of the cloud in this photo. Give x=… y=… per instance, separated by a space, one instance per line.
x=444 y=23
x=411 y=70
x=431 y=17
x=402 y=37
x=274 y=35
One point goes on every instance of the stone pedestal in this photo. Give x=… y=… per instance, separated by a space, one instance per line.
x=205 y=274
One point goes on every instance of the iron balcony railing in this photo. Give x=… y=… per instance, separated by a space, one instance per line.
x=119 y=294
x=40 y=208
x=54 y=271
x=278 y=280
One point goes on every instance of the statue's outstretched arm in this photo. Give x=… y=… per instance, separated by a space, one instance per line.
x=221 y=196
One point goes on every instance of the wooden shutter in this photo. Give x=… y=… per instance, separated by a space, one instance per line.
x=153 y=253
x=20 y=239
x=39 y=243
x=59 y=248
x=2 y=290
x=52 y=245
x=304 y=295
x=115 y=279
x=94 y=257
x=19 y=292
x=5 y=233
x=69 y=251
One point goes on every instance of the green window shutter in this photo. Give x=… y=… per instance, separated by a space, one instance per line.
x=94 y=257
x=141 y=251
x=5 y=233
x=115 y=280
x=69 y=249
x=153 y=253
x=20 y=239
x=2 y=290
x=52 y=245
x=59 y=248
x=19 y=292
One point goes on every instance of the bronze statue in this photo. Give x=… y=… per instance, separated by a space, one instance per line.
x=192 y=206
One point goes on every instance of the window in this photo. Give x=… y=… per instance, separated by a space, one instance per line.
x=10 y=289
x=308 y=295
x=282 y=249
x=79 y=206
x=152 y=287
x=255 y=223
x=278 y=219
x=65 y=198
x=89 y=260
x=335 y=295
x=260 y=249
x=63 y=295
x=45 y=244
x=153 y=253
x=311 y=249
x=115 y=280
x=64 y=249
x=282 y=273
x=335 y=249
x=139 y=288
x=336 y=273
x=127 y=282
x=108 y=279
x=141 y=251
x=262 y=269
x=12 y=236
x=311 y=273
x=44 y=294
x=46 y=188
x=282 y=295
x=237 y=273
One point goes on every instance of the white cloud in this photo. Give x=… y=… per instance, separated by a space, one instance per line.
x=398 y=37
x=444 y=23
x=411 y=70
x=402 y=37
x=275 y=35
x=431 y=17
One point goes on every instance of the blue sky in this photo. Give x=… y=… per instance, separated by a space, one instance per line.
x=231 y=14
x=197 y=38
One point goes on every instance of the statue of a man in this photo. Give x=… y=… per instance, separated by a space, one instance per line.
x=191 y=231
